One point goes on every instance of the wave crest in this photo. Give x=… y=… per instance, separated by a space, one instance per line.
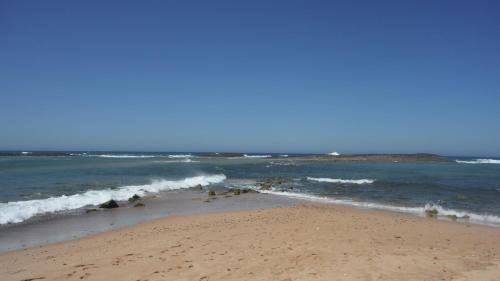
x=479 y=161
x=14 y=212
x=121 y=156
x=180 y=156
x=361 y=181
x=257 y=156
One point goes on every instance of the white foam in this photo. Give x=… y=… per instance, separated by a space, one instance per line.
x=25 y=152
x=284 y=155
x=187 y=160
x=486 y=219
x=474 y=217
x=14 y=212
x=479 y=161
x=180 y=156
x=333 y=154
x=122 y=156
x=256 y=156
x=361 y=181
x=331 y=200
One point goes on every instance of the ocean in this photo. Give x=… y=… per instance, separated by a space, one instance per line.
x=465 y=189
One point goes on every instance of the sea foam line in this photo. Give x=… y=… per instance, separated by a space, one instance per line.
x=186 y=160
x=122 y=156
x=180 y=156
x=361 y=181
x=485 y=219
x=479 y=161
x=257 y=156
x=14 y=212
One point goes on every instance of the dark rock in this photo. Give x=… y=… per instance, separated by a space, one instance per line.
x=109 y=205
x=268 y=183
x=431 y=213
x=134 y=198
x=199 y=186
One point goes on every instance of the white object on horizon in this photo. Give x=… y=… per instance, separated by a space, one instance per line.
x=333 y=154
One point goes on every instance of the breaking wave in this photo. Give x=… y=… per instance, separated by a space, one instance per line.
x=122 y=156
x=257 y=156
x=14 y=212
x=479 y=161
x=180 y=156
x=442 y=212
x=186 y=160
x=333 y=154
x=361 y=181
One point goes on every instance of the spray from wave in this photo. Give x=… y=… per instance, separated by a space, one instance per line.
x=361 y=181
x=479 y=161
x=14 y=212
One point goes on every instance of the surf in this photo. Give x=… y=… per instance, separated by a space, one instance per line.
x=19 y=211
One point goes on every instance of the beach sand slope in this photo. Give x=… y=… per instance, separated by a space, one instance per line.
x=304 y=242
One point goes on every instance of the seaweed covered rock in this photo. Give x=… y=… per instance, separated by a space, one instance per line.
x=211 y=193
x=236 y=191
x=134 y=198
x=268 y=183
x=431 y=213
x=139 y=204
x=111 y=204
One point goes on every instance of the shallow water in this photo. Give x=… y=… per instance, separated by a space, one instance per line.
x=33 y=186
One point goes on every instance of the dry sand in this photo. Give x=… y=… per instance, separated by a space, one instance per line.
x=305 y=242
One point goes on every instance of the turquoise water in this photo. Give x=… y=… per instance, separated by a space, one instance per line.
x=32 y=186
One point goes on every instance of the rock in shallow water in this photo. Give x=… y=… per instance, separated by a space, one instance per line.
x=111 y=204
x=134 y=198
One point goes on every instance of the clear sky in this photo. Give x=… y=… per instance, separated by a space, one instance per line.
x=253 y=76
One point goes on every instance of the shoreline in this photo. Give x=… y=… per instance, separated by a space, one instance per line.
x=299 y=242
x=46 y=229
x=80 y=223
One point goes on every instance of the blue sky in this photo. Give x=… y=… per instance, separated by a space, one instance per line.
x=254 y=76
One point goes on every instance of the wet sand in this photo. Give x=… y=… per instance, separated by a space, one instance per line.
x=301 y=242
x=77 y=224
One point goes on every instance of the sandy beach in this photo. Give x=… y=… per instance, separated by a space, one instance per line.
x=302 y=242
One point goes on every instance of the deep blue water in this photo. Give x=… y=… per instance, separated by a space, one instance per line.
x=30 y=186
